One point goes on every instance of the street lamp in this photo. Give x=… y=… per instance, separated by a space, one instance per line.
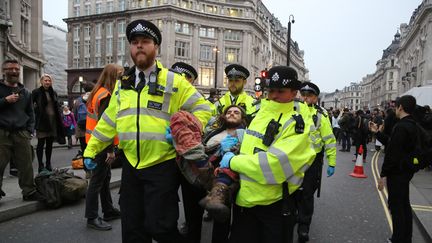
x=290 y=20
x=216 y=50
x=80 y=80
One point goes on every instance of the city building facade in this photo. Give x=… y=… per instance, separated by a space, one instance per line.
x=330 y=100
x=350 y=97
x=209 y=35
x=415 y=51
x=21 y=38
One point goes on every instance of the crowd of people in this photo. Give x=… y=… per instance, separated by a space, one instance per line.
x=253 y=164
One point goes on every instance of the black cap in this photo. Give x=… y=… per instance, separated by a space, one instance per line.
x=141 y=27
x=234 y=71
x=184 y=68
x=283 y=77
x=310 y=87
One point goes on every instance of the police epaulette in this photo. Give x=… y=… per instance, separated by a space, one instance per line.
x=321 y=110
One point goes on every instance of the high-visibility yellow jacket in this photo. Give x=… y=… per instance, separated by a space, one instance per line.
x=263 y=169
x=140 y=119
x=323 y=134
x=244 y=100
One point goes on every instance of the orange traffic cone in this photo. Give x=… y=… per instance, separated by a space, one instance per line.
x=358 y=168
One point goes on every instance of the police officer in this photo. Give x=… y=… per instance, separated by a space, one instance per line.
x=237 y=75
x=187 y=70
x=275 y=152
x=324 y=140
x=139 y=112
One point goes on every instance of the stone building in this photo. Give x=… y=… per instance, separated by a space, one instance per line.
x=350 y=97
x=415 y=51
x=21 y=37
x=209 y=35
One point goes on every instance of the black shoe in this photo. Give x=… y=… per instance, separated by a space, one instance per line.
x=98 y=224
x=113 y=214
x=13 y=172
x=184 y=229
x=35 y=196
x=303 y=237
x=48 y=167
x=2 y=193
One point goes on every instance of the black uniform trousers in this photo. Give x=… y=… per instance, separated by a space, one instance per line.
x=149 y=203
x=305 y=196
x=400 y=207
x=263 y=224
x=99 y=186
x=194 y=215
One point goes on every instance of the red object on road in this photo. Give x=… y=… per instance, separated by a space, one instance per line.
x=358 y=168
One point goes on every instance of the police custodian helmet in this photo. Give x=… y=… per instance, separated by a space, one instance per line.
x=141 y=27
x=235 y=71
x=184 y=68
x=310 y=87
x=283 y=77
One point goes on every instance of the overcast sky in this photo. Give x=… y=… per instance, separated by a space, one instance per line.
x=342 y=39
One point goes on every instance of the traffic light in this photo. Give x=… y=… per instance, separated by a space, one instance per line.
x=258 y=84
x=264 y=74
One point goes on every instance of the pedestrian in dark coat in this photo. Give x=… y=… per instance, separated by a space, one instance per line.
x=49 y=125
x=399 y=148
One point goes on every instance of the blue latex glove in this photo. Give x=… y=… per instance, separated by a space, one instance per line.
x=227 y=143
x=168 y=135
x=225 y=162
x=330 y=171
x=89 y=164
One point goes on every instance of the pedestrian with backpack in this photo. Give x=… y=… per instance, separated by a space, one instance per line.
x=69 y=124
x=98 y=101
x=399 y=147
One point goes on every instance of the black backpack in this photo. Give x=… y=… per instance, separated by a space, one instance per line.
x=422 y=155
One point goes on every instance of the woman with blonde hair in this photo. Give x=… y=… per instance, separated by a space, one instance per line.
x=48 y=120
x=98 y=101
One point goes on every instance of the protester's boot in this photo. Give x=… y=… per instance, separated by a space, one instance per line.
x=48 y=166
x=217 y=201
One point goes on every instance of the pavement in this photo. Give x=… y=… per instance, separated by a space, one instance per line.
x=12 y=206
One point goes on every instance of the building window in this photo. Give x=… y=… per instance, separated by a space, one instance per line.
x=108 y=48
x=76 y=33
x=391 y=75
x=98 y=8
x=392 y=63
x=181 y=49
x=182 y=28
x=121 y=60
x=87 y=62
x=76 y=11
x=121 y=45
x=390 y=85
x=98 y=30
x=87 y=48
x=232 y=35
x=206 y=77
x=232 y=55
x=233 y=12
x=76 y=2
x=76 y=49
x=109 y=29
x=122 y=5
x=109 y=59
x=97 y=46
x=87 y=9
x=207 y=32
x=211 y=9
x=75 y=63
x=206 y=53
x=98 y=61
x=110 y=6
x=121 y=27
x=87 y=31
x=149 y=3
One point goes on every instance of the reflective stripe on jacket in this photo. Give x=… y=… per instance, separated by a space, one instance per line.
x=140 y=119
x=263 y=169
x=242 y=99
x=324 y=135
x=93 y=113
